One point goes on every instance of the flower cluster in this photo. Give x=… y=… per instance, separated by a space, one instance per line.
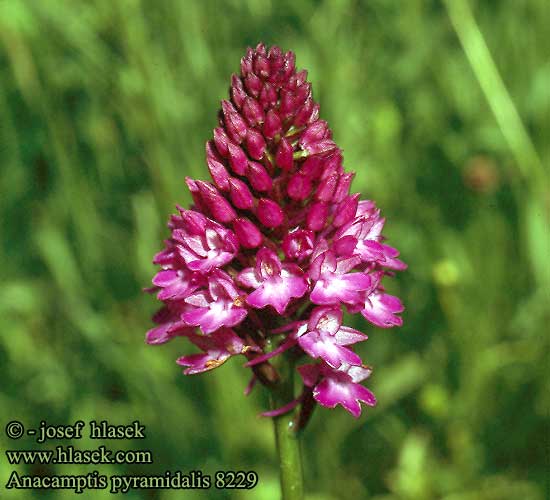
x=275 y=247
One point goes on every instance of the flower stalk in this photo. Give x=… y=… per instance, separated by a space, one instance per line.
x=287 y=436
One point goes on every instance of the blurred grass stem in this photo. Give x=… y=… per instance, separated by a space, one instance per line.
x=494 y=89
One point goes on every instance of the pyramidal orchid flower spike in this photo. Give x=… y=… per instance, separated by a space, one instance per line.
x=275 y=248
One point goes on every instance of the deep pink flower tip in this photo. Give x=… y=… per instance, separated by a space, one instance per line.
x=276 y=244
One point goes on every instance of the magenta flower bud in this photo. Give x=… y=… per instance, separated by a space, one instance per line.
x=222 y=283
x=237 y=159
x=268 y=96
x=272 y=124
x=314 y=133
x=331 y=168
x=205 y=189
x=301 y=77
x=195 y=194
x=218 y=172
x=301 y=94
x=234 y=123
x=260 y=50
x=248 y=234
x=255 y=144
x=327 y=186
x=320 y=147
x=298 y=79
x=332 y=162
x=217 y=205
x=344 y=184
x=299 y=187
x=258 y=177
x=193 y=222
x=276 y=61
x=221 y=141
x=317 y=216
x=246 y=63
x=261 y=66
x=269 y=213
x=315 y=113
x=253 y=111
x=288 y=104
x=345 y=210
x=292 y=84
x=283 y=157
x=289 y=65
x=238 y=94
x=312 y=167
x=241 y=197
x=303 y=114
x=253 y=85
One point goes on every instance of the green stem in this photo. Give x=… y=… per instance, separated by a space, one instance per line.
x=288 y=443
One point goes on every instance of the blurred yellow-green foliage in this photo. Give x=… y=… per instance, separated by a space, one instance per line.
x=442 y=108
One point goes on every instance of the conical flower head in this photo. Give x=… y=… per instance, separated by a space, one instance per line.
x=275 y=244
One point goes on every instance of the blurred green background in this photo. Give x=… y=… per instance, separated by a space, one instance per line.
x=442 y=109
